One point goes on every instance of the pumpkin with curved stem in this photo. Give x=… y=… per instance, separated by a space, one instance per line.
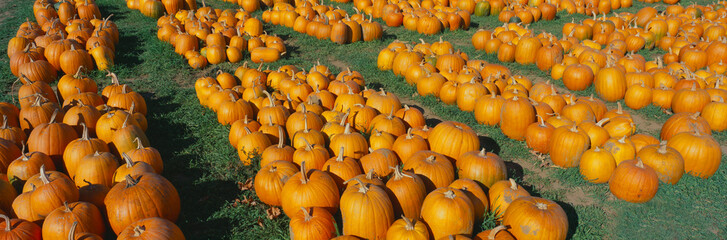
x=633 y=181
x=237 y=129
x=314 y=224
x=150 y=228
x=406 y=192
x=487 y=109
x=95 y=194
x=701 y=153
x=384 y=101
x=149 y=155
x=97 y=168
x=406 y=228
x=497 y=233
x=82 y=114
x=361 y=116
x=109 y=122
x=342 y=168
x=453 y=139
x=363 y=202
x=129 y=167
x=475 y=193
x=27 y=165
x=18 y=229
x=411 y=116
x=315 y=155
x=49 y=194
x=379 y=140
x=690 y=100
x=435 y=169
x=309 y=188
x=536 y=218
x=502 y=193
x=443 y=205
x=481 y=166
x=156 y=194
x=277 y=152
x=468 y=93
x=666 y=161
x=610 y=83
x=597 y=165
x=73 y=59
x=84 y=216
x=73 y=235
x=538 y=134
x=567 y=145
x=388 y=123
x=126 y=137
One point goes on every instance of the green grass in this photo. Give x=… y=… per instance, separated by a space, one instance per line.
x=205 y=169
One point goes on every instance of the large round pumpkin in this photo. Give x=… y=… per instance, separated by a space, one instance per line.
x=517 y=114
x=453 y=139
x=59 y=221
x=366 y=211
x=633 y=181
x=536 y=218
x=567 y=146
x=309 y=188
x=443 y=205
x=317 y=223
x=483 y=167
x=141 y=196
x=18 y=229
x=406 y=228
x=701 y=153
x=152 y=228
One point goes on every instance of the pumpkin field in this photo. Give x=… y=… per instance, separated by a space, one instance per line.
x=361 y=119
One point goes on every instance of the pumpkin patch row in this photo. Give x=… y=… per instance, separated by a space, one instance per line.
x=324 y=22
x=224 y=36
x=360 y=152
x=529 y=11
x=65 y=38
x=575 y=131
x=682 y=85
x=158 y=8
x=425 y=17
x=73 y=158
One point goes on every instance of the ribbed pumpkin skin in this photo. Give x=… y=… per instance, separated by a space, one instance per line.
x=152 y=228
x=666 y=161
x=453 y=139
x=51 y=139
x=406 y=228
x=314 y=224
x=487 y=109
x=58 y=223
x=366 y=211
x=19 y=229
x=517 y=114
x=271 y=178
x=435 y=169
x=634 y=182
x=485 y=168
x=502 y=193
x=610 y=84
x=684 y=122
x=142 y=196
x=536 y=218
x=314 y=189
x=701 y=153
x=443 y=205
x=474 y=192
x=597 y=165
x=622 y=149
x=567 y=146
x=407 y=192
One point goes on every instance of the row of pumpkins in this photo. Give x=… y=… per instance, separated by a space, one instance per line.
x=425 y=17
x=575 y=131
x=324 y=22
x=618 y=73
x=225 y=35
x=73 y=161
x=398 y=182
x=64 y=37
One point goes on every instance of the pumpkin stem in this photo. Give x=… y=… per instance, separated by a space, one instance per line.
x=347 y=130
x=72 y=232
x=541 y=206
x=662 y=147
x=53 y=116
x=513 y=184
x=449 y=194
x=409 y=224
x=362 y=188
x=43 y=176
x=600 y=123
x=340 y=155
x=7 y=222
x=542 y=122
x=639 y=163
x=573 y=128
x=303 y=171
x=130 y=181
x=23 y=153
x=306 y=213
x=494 y=232
x=483 y=152
x=138 y=230
x=66 y=208
x=5 y=122
x=431 y=158
x=280 y=139
x=127 y=159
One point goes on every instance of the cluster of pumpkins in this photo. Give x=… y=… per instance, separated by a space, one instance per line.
x=224 y=36
x=359 y=151
x=61 y=170
x=324 y=22
x=158 y=8
x=62 y=38
x=529 y=11
x=575 y=131
x=425 y=17
x=683 y=80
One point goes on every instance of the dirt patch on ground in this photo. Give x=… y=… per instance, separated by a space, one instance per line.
x=341 y=65
x=646 y=125
x=578 y=197
x=5 y=14
x=543 y=181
